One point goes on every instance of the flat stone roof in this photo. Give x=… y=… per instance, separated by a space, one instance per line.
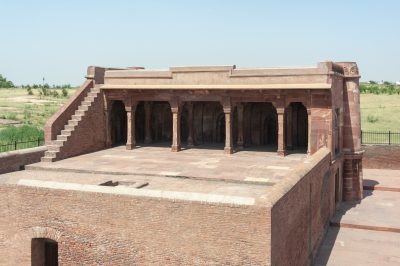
x=223 y=78
x=205 y=175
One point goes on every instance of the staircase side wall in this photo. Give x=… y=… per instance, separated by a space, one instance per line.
x=90 y=133
x=57 y=122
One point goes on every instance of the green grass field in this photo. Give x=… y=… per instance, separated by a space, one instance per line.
x=380 y=112
x=30 y=112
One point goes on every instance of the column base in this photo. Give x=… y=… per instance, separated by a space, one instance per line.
x=282 y=152
x=130 y=146
x=228 y=150
x=175 y=148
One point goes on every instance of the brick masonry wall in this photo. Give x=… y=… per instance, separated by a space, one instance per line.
x=94 y=228
x=15 y=160
x=300 y=218
x=381 y=157
x=90 y=134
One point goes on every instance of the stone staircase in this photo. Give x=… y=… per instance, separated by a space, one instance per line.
x=55 y=146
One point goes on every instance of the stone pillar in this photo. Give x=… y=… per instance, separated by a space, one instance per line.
x=281 y=131
x=289 y=127
x=228 y=131
x=190 y=140
x=240 y=140
x=309 y=119
x=147 y=122
x=176 y=126
x=227 y=106
x=130 y=119
x=352 y=172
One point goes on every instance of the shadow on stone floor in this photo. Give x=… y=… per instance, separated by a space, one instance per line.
x=328 y=243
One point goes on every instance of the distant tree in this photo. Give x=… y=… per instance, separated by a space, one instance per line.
x=4 y=83
x=372 y=82
x=387 y=83
x=64 y=92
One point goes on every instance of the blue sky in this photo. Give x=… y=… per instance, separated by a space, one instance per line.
x=59 y=39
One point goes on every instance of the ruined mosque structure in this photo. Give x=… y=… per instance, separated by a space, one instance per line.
x=208 y=165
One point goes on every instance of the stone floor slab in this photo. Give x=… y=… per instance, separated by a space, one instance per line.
x=259 y=165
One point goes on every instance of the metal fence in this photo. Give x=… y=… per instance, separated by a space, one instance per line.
x=380 y=137
x=17 y=145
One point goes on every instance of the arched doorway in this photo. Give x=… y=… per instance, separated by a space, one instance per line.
x=297 y=127
x=44 y=252
x=208 y=123
x=139 y=123
x=220 y=128
x=118 y=123
x=260 y=125
x=161 y=122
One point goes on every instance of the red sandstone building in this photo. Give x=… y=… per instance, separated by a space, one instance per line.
x=258 y=161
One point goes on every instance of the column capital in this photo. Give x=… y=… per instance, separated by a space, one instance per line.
x=131 y=107
x=280 y=110
x=226 y=104
x=175 y=104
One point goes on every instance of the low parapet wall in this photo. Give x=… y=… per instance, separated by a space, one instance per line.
x=381 y=157
x=301 y=207
x=15 y=160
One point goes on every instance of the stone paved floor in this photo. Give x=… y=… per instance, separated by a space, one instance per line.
x=369 y=232
x=244 y=166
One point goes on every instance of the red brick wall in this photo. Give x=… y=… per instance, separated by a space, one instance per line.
x=107 y=229
x=14 y=160
x=381 y=157
x=300 y=217
x=90 y=134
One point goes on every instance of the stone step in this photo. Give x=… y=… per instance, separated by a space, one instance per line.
x=94 y=89
x=77 y=117
x=47 y=159
x=80 y=112
x=92 y=94
x=73 y=122
x=62 y=137
x=69 y=127
x=50 y=154
x=88 y=103
x=55 y=148
x=59 y=142
x=66 y=132
x=83 y=107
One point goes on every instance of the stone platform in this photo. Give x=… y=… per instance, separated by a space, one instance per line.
x=367 y=233
x=199 y=174
x=251 y=166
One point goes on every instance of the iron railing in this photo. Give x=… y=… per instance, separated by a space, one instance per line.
x=380 y=137
x=17 y=145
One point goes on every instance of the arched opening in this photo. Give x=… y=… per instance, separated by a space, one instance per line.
x=260 y=125
x=44 y=252
x=297 y=127
x=118 y=123
x=208 y=123
x=161 y=122
x=184 y=125
x=220 y=130
x=159 y=119
x=139 y=123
